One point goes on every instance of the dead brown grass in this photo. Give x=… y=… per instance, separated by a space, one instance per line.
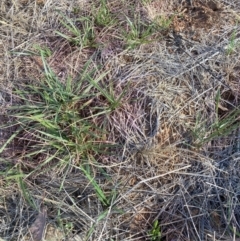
x=164 y=168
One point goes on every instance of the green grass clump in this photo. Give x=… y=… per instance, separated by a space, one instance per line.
x=138 y=32
x=56 y=127
x=232 y=43
x=222 y=126
x=82 y=35
x=163 y=22
x=103 y=17
x=155 y=232
x=58 y=119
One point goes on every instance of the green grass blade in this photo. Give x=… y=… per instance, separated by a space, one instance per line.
x=9 y=140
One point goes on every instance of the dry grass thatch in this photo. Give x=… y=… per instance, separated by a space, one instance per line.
x=170 y=150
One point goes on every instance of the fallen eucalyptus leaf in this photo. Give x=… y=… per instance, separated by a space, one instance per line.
x=38 y=227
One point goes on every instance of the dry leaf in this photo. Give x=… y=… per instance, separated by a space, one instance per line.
x=38 y=227
x=54 y=234
x=40 y=2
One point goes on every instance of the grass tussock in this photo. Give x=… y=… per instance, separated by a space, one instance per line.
x=119 y=120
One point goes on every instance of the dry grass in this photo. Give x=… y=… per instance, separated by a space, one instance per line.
x=174 y=135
